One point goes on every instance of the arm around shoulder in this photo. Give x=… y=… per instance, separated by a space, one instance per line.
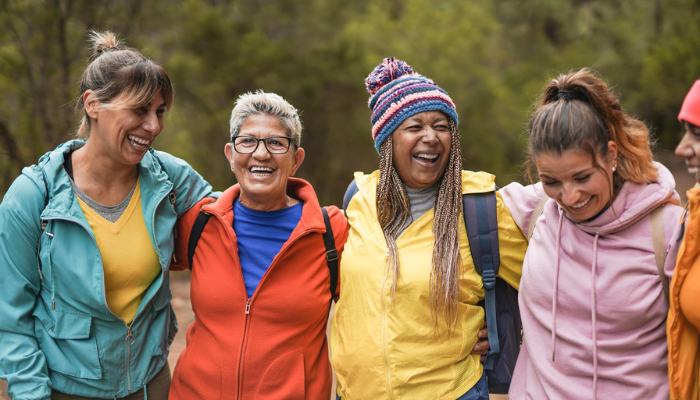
x=188 y=185
x=512 y=245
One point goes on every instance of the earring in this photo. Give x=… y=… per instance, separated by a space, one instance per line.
x=613 y=169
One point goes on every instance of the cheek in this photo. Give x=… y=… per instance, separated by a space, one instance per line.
x=550 y=191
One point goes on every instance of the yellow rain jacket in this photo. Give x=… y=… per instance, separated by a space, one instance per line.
x=381 y=350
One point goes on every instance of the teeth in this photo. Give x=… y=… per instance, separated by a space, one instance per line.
x=427 y=156
x=693 y=170
x=140 y=141
x=583 y=203
x=260 y=169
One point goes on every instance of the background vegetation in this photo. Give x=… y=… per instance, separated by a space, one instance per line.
x=492 y=56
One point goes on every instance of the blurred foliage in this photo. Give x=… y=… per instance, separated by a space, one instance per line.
x=492 y=56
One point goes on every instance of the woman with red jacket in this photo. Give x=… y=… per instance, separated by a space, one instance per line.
x=260 y=277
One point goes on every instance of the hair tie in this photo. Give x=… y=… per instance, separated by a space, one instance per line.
x=571 y=95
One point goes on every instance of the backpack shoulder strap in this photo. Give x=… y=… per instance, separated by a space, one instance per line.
x=535 y=214
x=349 y=193
x=659 y=241
x=481 y=223
x=480 y=219
x=331 y=251
x=195 y=233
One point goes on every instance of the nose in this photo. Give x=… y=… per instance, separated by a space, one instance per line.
x=429 y=135
x=570 y=195
x=685 y=148
x=261 y=151
x=151 y=123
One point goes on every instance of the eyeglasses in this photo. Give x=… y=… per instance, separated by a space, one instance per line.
x=273 y=144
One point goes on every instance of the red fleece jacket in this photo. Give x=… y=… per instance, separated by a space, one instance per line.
x=273 y=345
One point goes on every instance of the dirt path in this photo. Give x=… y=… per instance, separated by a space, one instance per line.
x=180 y=281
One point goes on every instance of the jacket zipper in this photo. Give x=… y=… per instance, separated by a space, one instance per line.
x=384 y=348
x=240 y=359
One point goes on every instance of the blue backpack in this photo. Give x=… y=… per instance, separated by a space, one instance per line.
x=501 y=300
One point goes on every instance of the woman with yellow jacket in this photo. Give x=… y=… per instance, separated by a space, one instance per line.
x=684 y=315
x=407 y=317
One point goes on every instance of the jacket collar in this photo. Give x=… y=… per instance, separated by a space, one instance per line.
x=62 y=200
x=312 y=219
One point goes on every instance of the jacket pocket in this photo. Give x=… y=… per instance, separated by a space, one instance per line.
x=64 y=338
x=284 y=378
x=162 y=330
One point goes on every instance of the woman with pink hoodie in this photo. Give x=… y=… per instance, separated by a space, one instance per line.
x=591 y=297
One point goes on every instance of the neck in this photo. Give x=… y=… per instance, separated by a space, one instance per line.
x=101 y=179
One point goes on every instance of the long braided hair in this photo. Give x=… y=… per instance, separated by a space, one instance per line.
x=393 y=209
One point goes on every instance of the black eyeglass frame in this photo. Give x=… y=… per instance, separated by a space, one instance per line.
x=264 y=141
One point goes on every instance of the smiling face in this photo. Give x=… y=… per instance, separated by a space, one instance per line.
x=421 y=148
x=689 y=148
x=123 y=134
x=261 y=175
x=574 y=181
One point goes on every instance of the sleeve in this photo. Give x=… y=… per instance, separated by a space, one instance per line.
x=521 y=202
x=188 y=185
x=184 y=228
x=673 y=232
x=511 y=243
x=341 y=229
x=22 y=363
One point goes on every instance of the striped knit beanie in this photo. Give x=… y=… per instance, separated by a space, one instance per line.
x=397 y=93
x=690 y=110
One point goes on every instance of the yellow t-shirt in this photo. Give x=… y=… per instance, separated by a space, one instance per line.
x=129 y=260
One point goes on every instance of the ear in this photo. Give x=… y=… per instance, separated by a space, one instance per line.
x=612 y=152
x=91 y=103
x=298 y=159
x=228 y=150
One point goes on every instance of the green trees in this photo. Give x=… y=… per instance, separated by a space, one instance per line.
x=492 y=56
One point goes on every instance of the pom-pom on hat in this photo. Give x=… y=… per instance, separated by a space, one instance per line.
x=690 y=110
x=397 y=93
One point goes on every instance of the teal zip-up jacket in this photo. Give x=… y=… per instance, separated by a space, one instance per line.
x=56 y=330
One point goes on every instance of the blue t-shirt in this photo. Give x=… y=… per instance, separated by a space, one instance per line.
x=261 y=235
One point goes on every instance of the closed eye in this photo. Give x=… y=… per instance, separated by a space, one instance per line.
x=583 y=178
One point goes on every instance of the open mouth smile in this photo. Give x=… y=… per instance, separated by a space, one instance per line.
x=138 y=142
x=582 y=204
x=427 y=159
x=261 y=172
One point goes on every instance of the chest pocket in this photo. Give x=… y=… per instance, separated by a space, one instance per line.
x=64 y=338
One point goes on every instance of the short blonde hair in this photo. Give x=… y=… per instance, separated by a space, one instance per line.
x=117 y=72
x=266 y=103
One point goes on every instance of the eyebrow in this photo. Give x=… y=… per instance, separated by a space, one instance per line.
x=576 y=174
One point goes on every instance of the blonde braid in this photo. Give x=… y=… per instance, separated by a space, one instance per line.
x=447 y=222
x=393 y=208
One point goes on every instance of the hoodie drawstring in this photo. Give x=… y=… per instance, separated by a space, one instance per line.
x=556 y=285
x=593 y=317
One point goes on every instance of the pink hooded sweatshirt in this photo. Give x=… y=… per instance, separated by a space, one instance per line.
x=591 y=299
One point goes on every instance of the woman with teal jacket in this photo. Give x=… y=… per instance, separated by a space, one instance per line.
x=86 y=236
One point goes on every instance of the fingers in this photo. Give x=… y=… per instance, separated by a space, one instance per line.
x=483 y=334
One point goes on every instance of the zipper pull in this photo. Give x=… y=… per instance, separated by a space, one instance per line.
x=130 y=339
x=247 y=307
